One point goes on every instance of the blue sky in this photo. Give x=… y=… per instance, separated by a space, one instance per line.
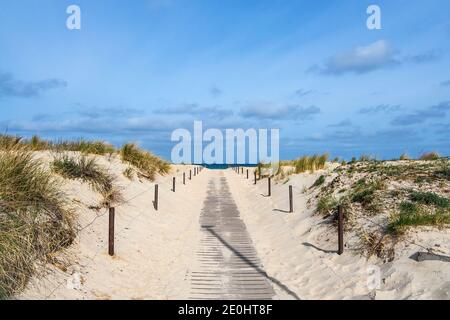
x=139 y=69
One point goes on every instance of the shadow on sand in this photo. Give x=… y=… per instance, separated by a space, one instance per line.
x=283 y=211
x=307 y=244
x=251 y=264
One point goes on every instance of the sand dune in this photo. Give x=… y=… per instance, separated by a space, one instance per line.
x=156 y=250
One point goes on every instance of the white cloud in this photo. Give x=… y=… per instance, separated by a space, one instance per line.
x=360 y=60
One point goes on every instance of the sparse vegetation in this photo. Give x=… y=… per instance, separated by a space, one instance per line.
x=384 y=199
x=34 y=219
x=129 y=173
x=411 y=214
x=430 y=198
x=367 y=158
x=87 y=169
x=405 y=156
x=83 y=146
x=147 y=163
x=364 y=192
x=8 y=142
x=319 y=181
x=326 y=205
x=308 y=163
x=428 y=156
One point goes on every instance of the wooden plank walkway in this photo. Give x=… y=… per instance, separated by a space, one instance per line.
x=228 y=265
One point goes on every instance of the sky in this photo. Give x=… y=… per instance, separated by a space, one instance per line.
x=137 y=70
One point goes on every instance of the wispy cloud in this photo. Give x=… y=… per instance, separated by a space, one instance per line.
x=10 y=87
x=375 y=56
x=288 y=112
x=196 y=110
x=114 y=112
x=302 y=92
x=342 y=124
x=420 y=116
x=64 y=123
x=215 y=91
x=382 y=108
x=359 y=60
x=425 y=57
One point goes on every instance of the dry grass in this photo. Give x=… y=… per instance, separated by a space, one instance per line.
x=34 y=219
x=129 y=173
x=430 y=156
x=310 y=163
x=148 y=164
x=86 y=169
x=8 y=142
x=83 y=146
x=405 y=156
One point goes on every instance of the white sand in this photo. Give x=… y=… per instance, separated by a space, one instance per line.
x=284 y=243
x=153 y=249
x=156 y=250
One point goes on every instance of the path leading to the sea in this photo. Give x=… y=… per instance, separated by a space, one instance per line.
x=227 y=263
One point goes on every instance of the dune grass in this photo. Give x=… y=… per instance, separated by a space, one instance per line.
x=147 y=164
x=320 y=181
x=363 y=192
x=34 y=219
x=430 y=198
x=429 y=156
x=86 y=169
x=8 y=142
x=326 y=205
x=405 y=156
x=84 y=146
x=411 y=214
x=310 y=163
x=129 y=173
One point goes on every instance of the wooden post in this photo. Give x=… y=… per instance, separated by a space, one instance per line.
x=190 y=174
x=173 y=184
x=111 y=231
x=291 y=200
x=247 y=174
x=269 y=186
x=242 y=170
x=184 y=178
x=155 y=202
x=340 y=230
x=255 y=177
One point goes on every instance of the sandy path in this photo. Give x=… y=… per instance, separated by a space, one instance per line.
x=227 y=265
x=154 y=250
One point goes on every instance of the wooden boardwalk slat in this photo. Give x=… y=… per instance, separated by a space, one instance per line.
x=228 y=265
